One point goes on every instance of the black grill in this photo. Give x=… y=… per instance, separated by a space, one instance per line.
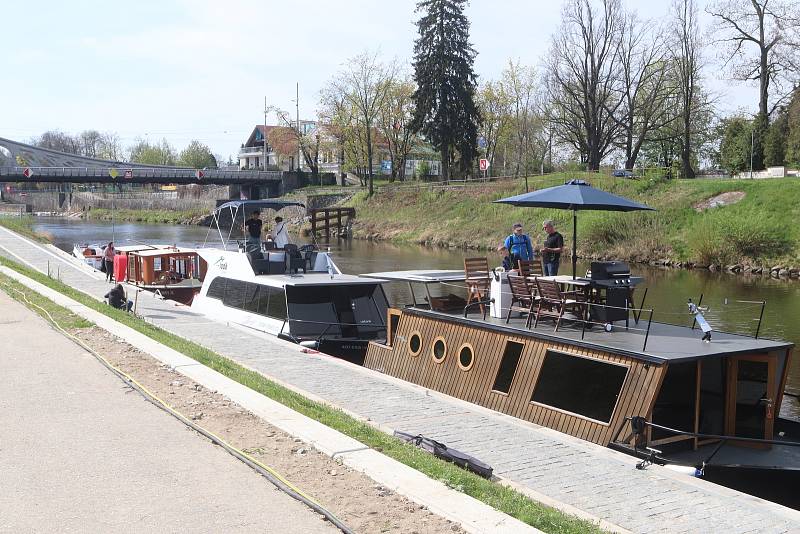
x=615 y=280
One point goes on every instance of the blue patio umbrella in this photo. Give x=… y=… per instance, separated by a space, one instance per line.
x=574 y=195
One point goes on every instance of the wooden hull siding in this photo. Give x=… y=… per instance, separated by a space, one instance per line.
x=639 y=389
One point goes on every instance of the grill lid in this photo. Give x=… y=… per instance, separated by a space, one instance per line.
x=604 y=270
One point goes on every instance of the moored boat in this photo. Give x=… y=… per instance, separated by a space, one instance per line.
x=91 y=255
x=172 y=272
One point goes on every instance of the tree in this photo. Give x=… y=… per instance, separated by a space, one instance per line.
x=395 y=124
x=687 y=53
x=197 y=156
x=445 y=112
x=291 y=134
x=366 y=83
x=767 y=29
x=58 y=140
x=337 y=114
x=582 y=77
x=793 y=139
x=494 y=103
x=157 y=154
x=734 y=149
x=775 y=140
x=645 y=87
x=521 y=85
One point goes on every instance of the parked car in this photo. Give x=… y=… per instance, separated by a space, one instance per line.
x=622 y=173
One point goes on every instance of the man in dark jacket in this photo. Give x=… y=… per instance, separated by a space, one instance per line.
x=117 y=299
x=552 y=249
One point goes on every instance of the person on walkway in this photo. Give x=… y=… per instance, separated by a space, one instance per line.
x=117 y=299
x=252 y=229
x=552 y=249
x=519 y=245
x=280 y=233
x=108 y=262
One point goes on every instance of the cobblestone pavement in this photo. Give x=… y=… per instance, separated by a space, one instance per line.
x=591 y=478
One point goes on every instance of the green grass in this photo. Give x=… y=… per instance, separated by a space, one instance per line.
x=500 y=497
x=147 y=216
x=759 y=229
x=24 y=226
x=36 y=302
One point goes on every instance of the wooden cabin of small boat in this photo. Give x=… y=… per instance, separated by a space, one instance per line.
x=176 y=273
x=586 y=383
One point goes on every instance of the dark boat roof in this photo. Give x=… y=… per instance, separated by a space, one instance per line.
x=275 y=205
x=665 y=343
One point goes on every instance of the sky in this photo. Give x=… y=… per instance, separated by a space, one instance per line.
x=201 y=69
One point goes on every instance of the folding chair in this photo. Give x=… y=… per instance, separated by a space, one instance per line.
x=522 y=299
x=477 y=277
x=553 y=302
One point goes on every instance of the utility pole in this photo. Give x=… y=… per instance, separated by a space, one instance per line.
x=266 y=160
x=299 y=134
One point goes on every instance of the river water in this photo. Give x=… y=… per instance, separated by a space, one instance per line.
x=668 y=289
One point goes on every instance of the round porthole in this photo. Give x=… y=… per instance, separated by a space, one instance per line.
x=466 y=357
x=415 y=344
x=439 y=350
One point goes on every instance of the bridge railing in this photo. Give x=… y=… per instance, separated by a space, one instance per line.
x=138 y=172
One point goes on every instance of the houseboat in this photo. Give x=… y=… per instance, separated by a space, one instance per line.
x=614 y=377
x=295 y=293
x=174 y=273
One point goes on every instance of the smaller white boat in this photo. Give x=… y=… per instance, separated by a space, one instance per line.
x=91 y=255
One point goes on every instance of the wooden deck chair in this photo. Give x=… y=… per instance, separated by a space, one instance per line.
x=531 y=268
x=522 y=299
x=477 y=277
x=553 y=302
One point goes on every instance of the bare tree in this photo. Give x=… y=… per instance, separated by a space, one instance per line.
x=582 y=77
x=366 y=82
x=336 y=113
x=687 y=63
x=761 y=45
x=395 y=124
x=494 y=103
x=646 y=85
x=307 y=141
x=522 y=88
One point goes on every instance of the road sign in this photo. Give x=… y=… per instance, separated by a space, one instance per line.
x=27 y=173
x=199 y=174
x=484 y=163
x=482 y=142
x=112 y=172
x=386 y=166
x=129 y=173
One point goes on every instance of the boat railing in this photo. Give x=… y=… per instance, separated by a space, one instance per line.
x=641 y=443
x=666 y=316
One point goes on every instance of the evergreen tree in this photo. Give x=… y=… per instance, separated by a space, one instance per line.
x=445 y=111
x=775 y=140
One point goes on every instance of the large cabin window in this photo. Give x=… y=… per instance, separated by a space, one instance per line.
x=250 y=297
x=508 y=366
x=579 y=385
x=356 y=311
x=217 y=288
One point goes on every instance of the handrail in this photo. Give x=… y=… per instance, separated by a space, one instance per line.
x=715 y=437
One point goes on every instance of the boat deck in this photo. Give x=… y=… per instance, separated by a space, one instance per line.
x=665 y=342
x=554 y=466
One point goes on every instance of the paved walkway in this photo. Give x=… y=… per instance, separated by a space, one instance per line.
x=80 y=452
x=577 y=473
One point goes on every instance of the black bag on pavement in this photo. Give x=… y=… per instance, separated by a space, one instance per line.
x=440 y=450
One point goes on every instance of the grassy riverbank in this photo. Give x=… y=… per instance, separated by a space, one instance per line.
x=496 y=495
x=148 y=216
x=760 y=229
x=24 y=225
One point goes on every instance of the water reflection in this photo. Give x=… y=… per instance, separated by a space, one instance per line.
x=668 y=289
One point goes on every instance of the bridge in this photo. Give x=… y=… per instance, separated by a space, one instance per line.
x=20 y=162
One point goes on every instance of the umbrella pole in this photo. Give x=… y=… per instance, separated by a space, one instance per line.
x=574 y=242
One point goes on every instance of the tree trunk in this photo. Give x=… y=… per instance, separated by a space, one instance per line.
x=369 y=163
x=341 y=166
x=445 y=172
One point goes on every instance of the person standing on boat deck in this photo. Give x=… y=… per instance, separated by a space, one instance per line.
x=280 y=234
x=108 y=261
x=252 y=227
x=553 y=247
x=518 y=245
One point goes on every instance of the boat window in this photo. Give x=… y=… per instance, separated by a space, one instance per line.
x=508 y=366
x=713 y=389
x=465 y=357
x=252 y=298
x=394 y=323
x=276 y=305
x=415 y=344
x=675 y=405
x=234 y=293
x=356 y=311
x=439 y=350
x=217 y=288
x=583 y=386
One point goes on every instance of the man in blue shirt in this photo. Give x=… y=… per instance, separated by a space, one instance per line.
x=519 y=245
